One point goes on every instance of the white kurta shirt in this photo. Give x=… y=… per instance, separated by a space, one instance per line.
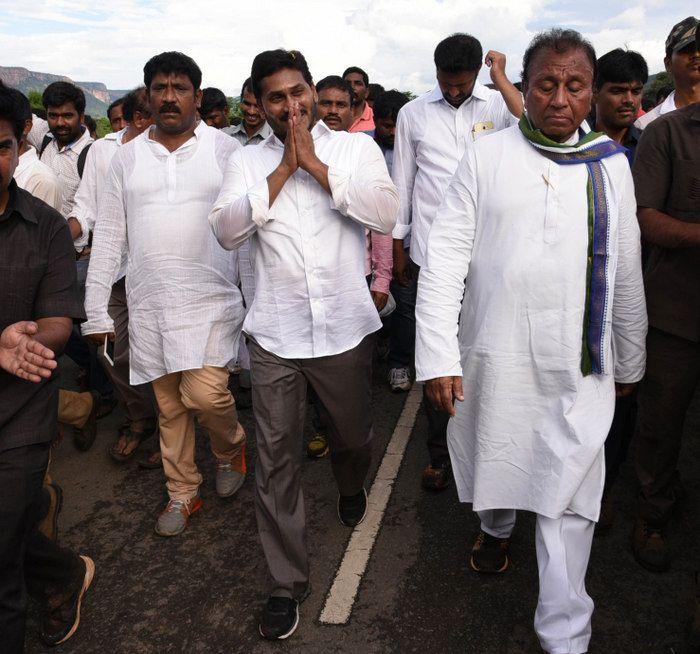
x=431 y=137
x=185 y=310
x=308 y=249
x=530 y=432
x=97 y=162
x=36 y=177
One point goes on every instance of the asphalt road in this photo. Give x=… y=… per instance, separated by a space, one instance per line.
x=203 y=591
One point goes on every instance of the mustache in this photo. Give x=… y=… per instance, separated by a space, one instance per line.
x=169 y=107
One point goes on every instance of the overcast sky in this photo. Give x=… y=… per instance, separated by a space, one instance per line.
x=393 y=40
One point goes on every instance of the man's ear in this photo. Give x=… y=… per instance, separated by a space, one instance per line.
x=667 y=63
x=198 y=98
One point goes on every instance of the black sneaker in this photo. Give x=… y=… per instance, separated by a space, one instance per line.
x=352 y=509
x=280 y=618
x=63 y=617
x=489 y=554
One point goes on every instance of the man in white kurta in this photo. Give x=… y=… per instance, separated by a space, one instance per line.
x=502 y=305
x=185 y=310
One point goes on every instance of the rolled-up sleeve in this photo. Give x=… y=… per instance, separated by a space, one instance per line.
x=108 y=244
x=441 y=281
x=368 y=196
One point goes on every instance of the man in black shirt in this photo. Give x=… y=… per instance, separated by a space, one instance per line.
x=38 y=302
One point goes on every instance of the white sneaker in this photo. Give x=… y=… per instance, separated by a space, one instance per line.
x=400 y=379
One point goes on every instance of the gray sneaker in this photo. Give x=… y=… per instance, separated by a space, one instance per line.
x=228 y=480
x=400 y=379
x=174 y=518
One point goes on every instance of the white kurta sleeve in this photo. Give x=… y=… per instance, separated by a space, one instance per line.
x=239 y=210
x=442 y=278
x=403 y=173
x=629 y=315
x=366 y=194
x=85 y=207
x=108 y=244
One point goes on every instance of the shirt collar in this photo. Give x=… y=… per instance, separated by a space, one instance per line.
x=78 y=144
x=17 y=203
x=264 y=131
x=480 y=92
x=199 y=129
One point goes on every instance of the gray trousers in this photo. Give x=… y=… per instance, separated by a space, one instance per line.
x=138 y=400
x=343 y=383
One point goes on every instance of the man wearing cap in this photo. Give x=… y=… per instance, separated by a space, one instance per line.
x=667 y=187
x=682 y=61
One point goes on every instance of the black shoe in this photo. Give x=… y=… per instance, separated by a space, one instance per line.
x=489 y=554
x=63 y=617
x=280 y=618
x=352 y=509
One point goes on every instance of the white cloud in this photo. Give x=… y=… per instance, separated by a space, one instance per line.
x=392 y=39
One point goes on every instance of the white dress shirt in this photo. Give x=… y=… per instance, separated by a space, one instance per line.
x=64 y=162
x=36 y=177
x=308 y=249
x=431 y=137
x=185 y=310
x=97 y=162
x=501 y=300
x=669 y=104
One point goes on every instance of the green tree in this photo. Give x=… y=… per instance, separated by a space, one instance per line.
x=103 y=126
x=656 y=83
x=35 y=100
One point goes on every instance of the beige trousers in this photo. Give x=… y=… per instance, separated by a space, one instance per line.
x=74 y=408
x=182 y=396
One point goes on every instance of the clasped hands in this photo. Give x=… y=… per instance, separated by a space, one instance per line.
x=299 y=151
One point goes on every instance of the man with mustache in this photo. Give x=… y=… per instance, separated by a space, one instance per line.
x=432 y=133
x=304 y=197
x=185 y=309
x=667 y=183
x=214 y=109
x=530 y=317
x=253 y=128
x=65 y=152
x=682 y=61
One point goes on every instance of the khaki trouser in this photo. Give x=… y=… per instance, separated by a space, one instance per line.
x=74 y=408
x=181 y=396
x=138 y=399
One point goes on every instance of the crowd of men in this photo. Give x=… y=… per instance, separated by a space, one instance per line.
x=489 y=241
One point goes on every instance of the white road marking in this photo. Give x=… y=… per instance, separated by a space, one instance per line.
x=343 y=592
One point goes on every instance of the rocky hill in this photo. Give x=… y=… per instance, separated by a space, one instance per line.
x=97 y=96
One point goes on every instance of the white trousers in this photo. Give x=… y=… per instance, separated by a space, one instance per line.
x=564 y=608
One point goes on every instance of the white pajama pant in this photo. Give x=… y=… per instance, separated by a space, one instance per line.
x=564 y=608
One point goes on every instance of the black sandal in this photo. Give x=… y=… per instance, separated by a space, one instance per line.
x=131 y=437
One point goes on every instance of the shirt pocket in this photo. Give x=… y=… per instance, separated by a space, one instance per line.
x=18 y=289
